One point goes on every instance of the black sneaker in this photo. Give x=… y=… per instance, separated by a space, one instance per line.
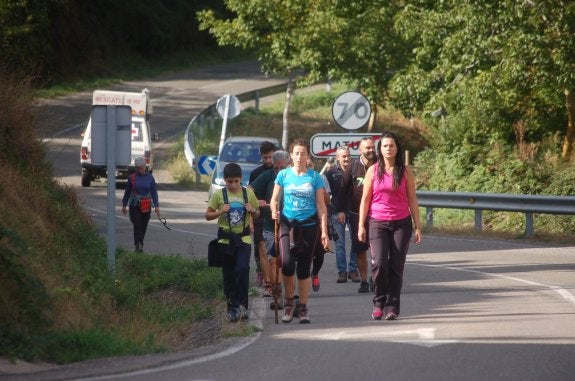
x=363 y=287
x=233 y=315
x=342 y=277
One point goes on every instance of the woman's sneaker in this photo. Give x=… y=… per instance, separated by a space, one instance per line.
x=377 y=313
x=288 y=310
x=302 y=313
x=315 y=282
x=391 y=316
x=268 y=291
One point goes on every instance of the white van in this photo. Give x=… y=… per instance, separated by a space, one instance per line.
x=141 y=134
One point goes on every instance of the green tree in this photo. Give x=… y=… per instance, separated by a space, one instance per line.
x=341 y=39
x=271 y=29
x=519 y=53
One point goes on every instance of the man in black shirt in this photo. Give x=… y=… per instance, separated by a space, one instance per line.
x=262 y=268
x=349 y=200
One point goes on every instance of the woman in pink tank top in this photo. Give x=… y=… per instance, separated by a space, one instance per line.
x=388 y=206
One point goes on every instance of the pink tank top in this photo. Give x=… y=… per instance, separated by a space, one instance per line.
x=387 y=203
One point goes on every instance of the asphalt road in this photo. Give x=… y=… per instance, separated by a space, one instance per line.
x=472 y=309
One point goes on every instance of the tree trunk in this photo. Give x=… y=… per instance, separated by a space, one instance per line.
x=289 y=95
x=372 y=117
x=570 y=135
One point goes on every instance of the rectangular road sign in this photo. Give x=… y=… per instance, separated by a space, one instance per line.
x=326 y=144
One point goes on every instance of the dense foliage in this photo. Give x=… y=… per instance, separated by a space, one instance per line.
x=492 y=80
x=74 y=39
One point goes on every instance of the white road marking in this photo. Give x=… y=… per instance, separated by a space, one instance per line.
x=569 y=297
x=419 y=336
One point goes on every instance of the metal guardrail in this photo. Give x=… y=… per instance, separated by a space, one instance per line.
x=528 y=204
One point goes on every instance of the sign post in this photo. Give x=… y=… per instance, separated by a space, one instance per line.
x=113 y=125
x=228 y=106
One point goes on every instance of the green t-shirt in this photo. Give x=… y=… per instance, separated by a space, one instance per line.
x=237 y=212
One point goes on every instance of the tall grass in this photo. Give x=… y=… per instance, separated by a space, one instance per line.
x=59 y=302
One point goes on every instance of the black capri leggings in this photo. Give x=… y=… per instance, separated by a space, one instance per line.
x=306 y=239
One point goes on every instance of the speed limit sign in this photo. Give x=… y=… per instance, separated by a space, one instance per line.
x=351 y=110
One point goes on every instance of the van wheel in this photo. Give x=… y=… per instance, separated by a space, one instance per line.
x=86 y=178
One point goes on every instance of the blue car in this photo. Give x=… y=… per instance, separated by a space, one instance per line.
x=244 y=150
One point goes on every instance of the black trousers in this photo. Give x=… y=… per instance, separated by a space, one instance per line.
x=389 y=241
x=140 y=221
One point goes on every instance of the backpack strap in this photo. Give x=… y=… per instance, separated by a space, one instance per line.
x=245 y=193
x=226 y=201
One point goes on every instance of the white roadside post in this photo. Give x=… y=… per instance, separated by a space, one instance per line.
x=228 y=107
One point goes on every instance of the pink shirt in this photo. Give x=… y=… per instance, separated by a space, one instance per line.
x=388 y=204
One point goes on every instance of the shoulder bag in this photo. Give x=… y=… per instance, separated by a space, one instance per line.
x=144 y=203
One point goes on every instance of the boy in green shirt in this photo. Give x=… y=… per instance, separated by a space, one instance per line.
x=234 y=206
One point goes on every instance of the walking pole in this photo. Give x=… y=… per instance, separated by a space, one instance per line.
x=278 y=285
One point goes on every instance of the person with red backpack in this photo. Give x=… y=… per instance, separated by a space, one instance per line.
x=140 y=196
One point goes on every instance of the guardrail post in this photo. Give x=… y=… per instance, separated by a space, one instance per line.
x=478 y=220
x=529 y=230
x=429 y=217
x=202 y=126
x=257 y=101
x=211 y=118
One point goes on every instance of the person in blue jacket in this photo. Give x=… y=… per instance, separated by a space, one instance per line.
x=140 y=190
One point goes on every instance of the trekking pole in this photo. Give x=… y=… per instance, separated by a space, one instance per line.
x=278 y=284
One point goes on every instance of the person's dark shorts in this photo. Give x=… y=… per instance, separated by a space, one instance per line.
x=356 y=245
x=258 y=230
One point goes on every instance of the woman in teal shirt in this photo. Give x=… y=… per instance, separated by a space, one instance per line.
x=303 y=226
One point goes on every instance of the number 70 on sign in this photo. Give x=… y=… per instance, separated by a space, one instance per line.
x=351 y=110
